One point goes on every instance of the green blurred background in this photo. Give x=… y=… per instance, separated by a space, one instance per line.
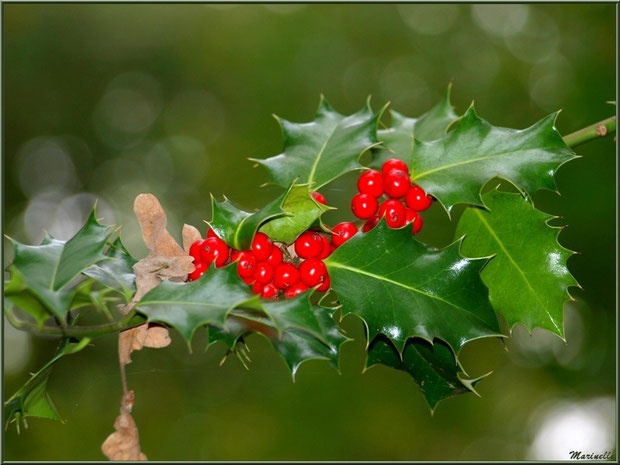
x=108 y=101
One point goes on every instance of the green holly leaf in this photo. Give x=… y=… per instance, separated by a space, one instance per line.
x=32 y=399
x=48 y=268
x=237 y=227
x=318 y=152
x=302 y=211
x=432 y=366
x=402 y=288
x=116 y=273
x=294 y=345
x=208 y=300
x=17 y=295
x=527 y=277
x=399 y=137
x=454 y=168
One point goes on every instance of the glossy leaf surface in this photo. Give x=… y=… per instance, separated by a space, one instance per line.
x=237 y=227
x=399 y=137
x=527 y=278
x=432 y=366
x=402 y=288
x=294 y=345
x=47 y=268
x=302 y=211
x=454 y=168
x=320 y=151
x=116 y=273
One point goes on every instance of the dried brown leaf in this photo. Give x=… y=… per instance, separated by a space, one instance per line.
x=124 y=443
x=152 y=219
x=146 y=335
x=167 y=259
x=190 y=235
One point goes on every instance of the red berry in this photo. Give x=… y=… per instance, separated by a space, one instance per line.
x=276 y=256
x=343 y=232
x=249 y=280
x=261 y=246
x=396 y=183
x=295 y=290
x=327 y=249
x=371 y=183
x=417 y=223
x=263 y=273
x=319 y=197
x=325 y=286
x=410 y=215
x=309 y=244
x=215 y=250
x=246 y=266
x=270 y=291
x=286 y=275
x=211 y=233
x=199 y=270
x=234 y=255
x=371 y=223
x=257 y=287
x=394 y=212
x=394 y=164
x=364 y=205
x=196 y=248
x=312 y=272
x=417 y=199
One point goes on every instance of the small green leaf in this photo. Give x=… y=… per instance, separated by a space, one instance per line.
x=49 y=267
x=116 y=273
x=17 y=295
x=432 y=366
x=399 y=137
x=318 y=152
x=527 y=278
x=454 y=168
x=32 y=399
x=302 y=211
x=402 y=288
x=208 y=300
x=237 y=227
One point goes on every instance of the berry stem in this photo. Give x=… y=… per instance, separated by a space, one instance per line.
x=594 y=131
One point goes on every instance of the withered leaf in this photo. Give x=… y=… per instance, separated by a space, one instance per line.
x=152 y=219
x=167 y=259
x=146 y=335
x=124 y=443
x=190 y=235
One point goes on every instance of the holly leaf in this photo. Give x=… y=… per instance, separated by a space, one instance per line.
x=17 y=295
x=32 y=399
x=399 y=137
x=302 y=211
x=48 y=268
x=454 y=168
x=402 y=288
x=208 y=300
x=527 y=277
x=237 y=227
x=116 y=273
x=294 y=345
x=318 y=152
x=432 y=366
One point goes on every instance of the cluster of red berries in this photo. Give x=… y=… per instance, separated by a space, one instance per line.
x=263 y=266
x=393 y=182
